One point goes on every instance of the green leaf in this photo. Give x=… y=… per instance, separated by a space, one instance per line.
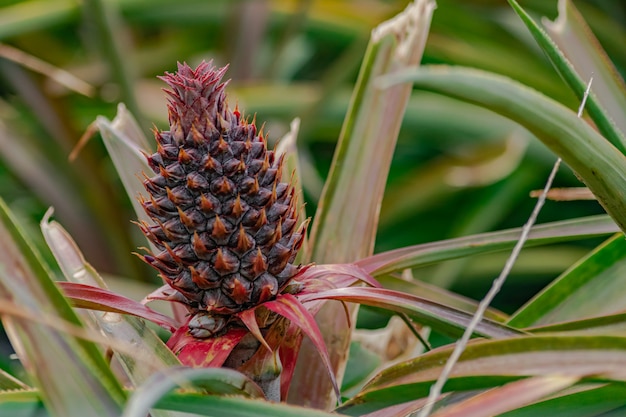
x=429 y=253
x=151 y=351
x=568 y=72
x=20 y=403
x=125 y=142
x=508 y=397
x=438 y=295
x=598 y=163
x=361 y=364
x=292 y=173
x=609 y=324
x=367 y=141
x=9 y=382
x=72 y=374
x=594 y=286
x=344 y=226
x=220 y=381
x=572 y=34
x=591 y=401
x=441 y=318
x=213 y=405
x=490 y=363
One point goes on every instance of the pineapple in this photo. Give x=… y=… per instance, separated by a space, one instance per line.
x=224 y=223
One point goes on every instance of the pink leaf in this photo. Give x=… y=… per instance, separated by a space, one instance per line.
x=249 y=319
x=442 y=317
x=324 y=277
x=289 y=307
x=95 y=298
x=176 y=299
x=203 y=353
x=288 y=351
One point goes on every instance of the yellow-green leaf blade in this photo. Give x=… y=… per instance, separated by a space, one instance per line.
x=572 y=34
x=433 y=252
x=150 y=353
x=71 y=373
x=344 y=227
x=491 y=363
x=595 y=286
x=568 y=72
x=598 y=163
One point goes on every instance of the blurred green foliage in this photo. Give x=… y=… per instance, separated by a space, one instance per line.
x=457 y=170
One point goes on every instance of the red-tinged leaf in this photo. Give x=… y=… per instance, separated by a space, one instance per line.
x=288 y=350
x=164 y=293
x=323 y=277
x=248 y=317
x=398 y=410
x=289 y=307
x=487 y=364
x=202 y=353
x=265 y=366
x=508 y=397
x=95 y=298
x=433 y=252
x=177 y=300
x=442 y=318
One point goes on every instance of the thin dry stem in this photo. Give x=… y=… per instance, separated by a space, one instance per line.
x=57 y=74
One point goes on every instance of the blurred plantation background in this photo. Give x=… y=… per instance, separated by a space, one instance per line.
x=457 y=170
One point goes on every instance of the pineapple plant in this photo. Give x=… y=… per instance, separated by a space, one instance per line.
x=225 y=225
x=218 y=206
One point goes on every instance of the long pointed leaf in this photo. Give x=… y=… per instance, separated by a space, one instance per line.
x=596 y=161
x=491 y=363
x=211 y=380
x=217 y=405
x=147 y=346
x=125 y=143
x=606 y=324
x=94 y=298
x=71 y=373
x=508 y=397
x=439 y=295
x=368 y=140
x=584 y=402
x=566 y=70
x=364 y=151
x=572 y=34
x=289 y=307
x=594 y=286
x=428 y=253
x=442 y=318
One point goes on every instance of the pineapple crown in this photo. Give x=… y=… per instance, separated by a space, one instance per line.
x=224 y=223
x=197 y=100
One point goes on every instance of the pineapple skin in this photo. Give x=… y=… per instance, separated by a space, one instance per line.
x=223 y=222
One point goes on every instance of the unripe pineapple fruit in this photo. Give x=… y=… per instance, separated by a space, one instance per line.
x=224 y=223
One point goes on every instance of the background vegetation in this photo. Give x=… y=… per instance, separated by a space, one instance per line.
x=457 y=170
